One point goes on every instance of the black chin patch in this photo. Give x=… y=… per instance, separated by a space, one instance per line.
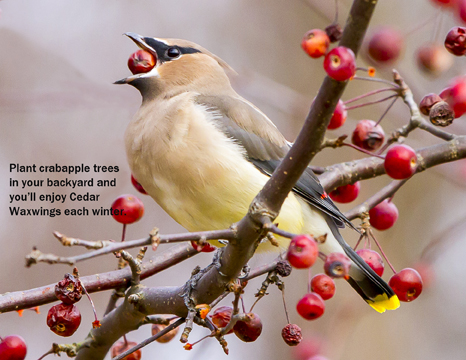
x=161 y=49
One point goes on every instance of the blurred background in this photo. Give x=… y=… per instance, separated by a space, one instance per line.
x=58 y=60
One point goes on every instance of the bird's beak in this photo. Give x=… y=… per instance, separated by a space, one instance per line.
x=140 y=42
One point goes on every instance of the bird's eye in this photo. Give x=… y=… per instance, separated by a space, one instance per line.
x=173 y=52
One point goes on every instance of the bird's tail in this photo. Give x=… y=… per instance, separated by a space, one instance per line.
x=372 y=288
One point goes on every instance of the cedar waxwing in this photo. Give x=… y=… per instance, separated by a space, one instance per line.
x=202 y=152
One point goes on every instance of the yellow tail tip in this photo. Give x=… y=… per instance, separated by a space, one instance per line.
x=382 y=303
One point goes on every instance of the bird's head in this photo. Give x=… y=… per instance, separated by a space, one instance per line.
x=180 y=66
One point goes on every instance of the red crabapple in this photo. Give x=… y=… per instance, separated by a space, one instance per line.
x=346 y=193
x=385 y=45
x=337 y=265
x=221 y=316
x=120 y=347
x=12 y=347
x=400 y=162
x=368 y=135
x=127 y=209
x=311 y=306
x=383 y=215
x=455 y=41
x=323 y=285
x=156 y=328
x=433 y=59
x=407 y=284
x=248 y=330
x=373 y=259
x=64 y=319
x=339 y=116
x=302 y=252
x=427 y=102
x=141 y=61
x=292 y=335
x=315 y=43
x=340 y=63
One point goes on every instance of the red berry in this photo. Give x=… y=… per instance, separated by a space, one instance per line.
x=137 y=185
x=427 y=273
x=323 y=285
x=385 y=45
x=311 y=306
x=427 y=102
x=127 y=209
x=315 y=43
x=69 y=290
x=302 y=252
x=368 y=135
x=346 y=193
x=120 y=347
x=384 y=215
x=337 y=265
x=64 y=319
x=141 y=61
x=221 y=316
x=460 y=9
x=13 y=347
x=203 y=248
x=292 y=335
x=248 y=330
x=407 y=284
x=400 y=162
x=339 y=116
x=340 y=63
x=373 y=259
x=434 y=59
x=156 y=328
x=455 y=41
x=456 y=95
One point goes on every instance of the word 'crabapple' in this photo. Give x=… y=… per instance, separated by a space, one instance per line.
x=368 y=135
x=248 y=330
x=64 y=319
x=302 y=252
x=346 y=193
x=384 y=215
x=385 y=45
x=311 y=306
x=141 y=61
x=407 y=284
x=339 y=116
x=337 y=265
x=315 y=43
x=13 y=347
x=373 y=259
x=323 y=285
x=340 y=63
x=127 y=209
x=120 y=347
x=400 y=162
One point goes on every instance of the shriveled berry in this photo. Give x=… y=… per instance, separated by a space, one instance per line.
x=339 y=116
x=455 y=41
x=340 y=63
x=141 y=61
x=311 y=306
x=407 y=284
x=250 y=329
x=400 y=162
x=368 y=135
x=13 y=347
x=334 y=32
x=69 y=290
x=302 y=252
x=292 y=335
x=283 y=268
x=385 y=45
x=315 y=43
x=384 y=215
x=203 y=248
x=221 y=316
x=64 y=319
x=120 y=347
x=337 y=265
x=156 y=328
x=441 y=114
x=137 y=185
x=346 y=193
x=434 y=59
x=323 y=285
x=127 y=209
x=427 y=102
x=373 y=259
